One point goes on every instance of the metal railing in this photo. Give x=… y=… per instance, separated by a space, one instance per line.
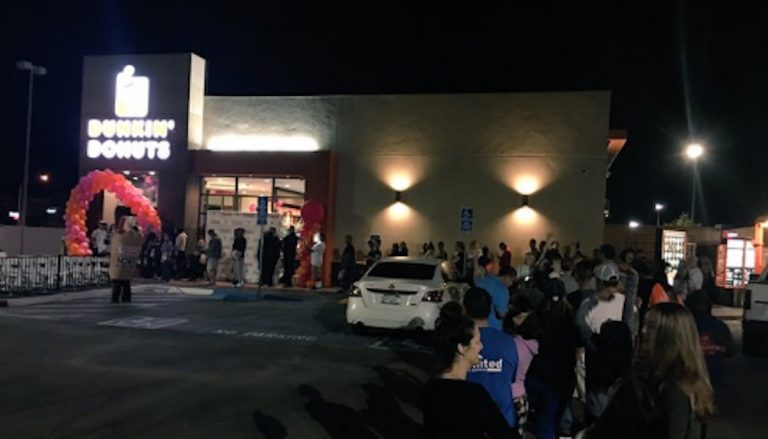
x=24 y=275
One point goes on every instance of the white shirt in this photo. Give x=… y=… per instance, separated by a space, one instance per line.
x=604 y=311
x=181 y=242
x=316 y=259
x=100 y=239
x=695 y=279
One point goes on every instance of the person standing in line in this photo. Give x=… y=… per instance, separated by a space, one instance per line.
x=181 y=254
x=270 y=253
x=454 y=407
x=289 y=244
x=403 y=249
x=374 y=253
x=316 y=260
x=550 y=380
x=199 y=259
x=695 y=275
x=606 y=305
x=715 y=338
x=441 y=253
x=430 y=253
x=630 y=280
x=526 y=330
x=100 y=239
x=499 y=294
x=166 y=258
x=669 y=388
x=708 y=280
x=213 y=256
x=505 y=257
x=348 y=264
x=459 y=259
x=238 y=253
x=498 y=359
x=395 y=251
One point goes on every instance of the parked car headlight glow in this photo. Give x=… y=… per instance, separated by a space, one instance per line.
x=355 y=291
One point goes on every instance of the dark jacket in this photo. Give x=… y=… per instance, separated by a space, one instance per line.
x=289 y=246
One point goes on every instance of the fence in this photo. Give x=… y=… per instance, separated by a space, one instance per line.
x=21 y=275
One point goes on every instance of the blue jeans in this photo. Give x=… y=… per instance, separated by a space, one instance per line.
x=546 y=404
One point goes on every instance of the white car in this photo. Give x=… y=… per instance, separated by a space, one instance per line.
x=755 y=325
x=402 y=292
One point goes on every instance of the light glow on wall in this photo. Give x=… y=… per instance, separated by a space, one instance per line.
x=400 y=182
x=263 y=142
x=525 y=215
x=398 y=211
x=527 y=184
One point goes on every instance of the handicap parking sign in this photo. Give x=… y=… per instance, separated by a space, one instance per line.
x=467 y=219
x=261 y=211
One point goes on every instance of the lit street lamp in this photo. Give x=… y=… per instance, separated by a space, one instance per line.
x=45 y=178
x=658 y=207
x=694 y=151
x=33 y=70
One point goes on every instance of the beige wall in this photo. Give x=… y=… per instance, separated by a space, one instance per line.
x=449 y=152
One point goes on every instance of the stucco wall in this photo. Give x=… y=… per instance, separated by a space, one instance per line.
x=448 y=152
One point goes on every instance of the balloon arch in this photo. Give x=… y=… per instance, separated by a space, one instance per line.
x=90 y=185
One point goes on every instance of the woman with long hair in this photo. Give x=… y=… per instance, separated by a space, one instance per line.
x=453 y=407
x=670 y=386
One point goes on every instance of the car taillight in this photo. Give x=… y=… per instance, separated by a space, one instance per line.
x=748 y=299
x=355 y=292
x=433 y=296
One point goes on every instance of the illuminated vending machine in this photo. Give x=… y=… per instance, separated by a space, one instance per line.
x=735 y=261
x=673 y=247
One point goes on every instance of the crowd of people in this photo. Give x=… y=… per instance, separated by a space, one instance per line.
x=638 y=357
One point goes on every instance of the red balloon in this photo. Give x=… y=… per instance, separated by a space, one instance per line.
x=312 y=212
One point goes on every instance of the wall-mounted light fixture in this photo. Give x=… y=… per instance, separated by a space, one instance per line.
x=398 y=196
x=524 y=202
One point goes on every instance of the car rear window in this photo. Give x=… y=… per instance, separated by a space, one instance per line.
x=403 y=270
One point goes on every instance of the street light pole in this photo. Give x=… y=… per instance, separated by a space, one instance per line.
x=658 y=207
x=693 y=193
x=33 y=71
x=694 y=151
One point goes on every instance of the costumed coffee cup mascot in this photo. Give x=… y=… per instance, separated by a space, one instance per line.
x=125 y=248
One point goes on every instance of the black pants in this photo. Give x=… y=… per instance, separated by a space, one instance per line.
x=121 y=291
x=289 y=267
x=181 y=264
x=268 y=274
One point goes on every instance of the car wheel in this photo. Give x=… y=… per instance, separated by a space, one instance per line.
x=359 y=328
x=755 y=338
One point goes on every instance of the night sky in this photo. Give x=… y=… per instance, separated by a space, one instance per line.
x=677 y=70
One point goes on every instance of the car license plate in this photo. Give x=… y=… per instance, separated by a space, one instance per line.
x=391 y=299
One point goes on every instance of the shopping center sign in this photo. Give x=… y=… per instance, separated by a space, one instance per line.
x=130 y=135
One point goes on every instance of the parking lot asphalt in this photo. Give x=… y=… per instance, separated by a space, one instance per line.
x=286 y=365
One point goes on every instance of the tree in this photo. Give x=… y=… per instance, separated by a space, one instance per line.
x=684 y=220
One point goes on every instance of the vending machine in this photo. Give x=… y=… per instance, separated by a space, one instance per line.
x=735 y=261
x=673 y=249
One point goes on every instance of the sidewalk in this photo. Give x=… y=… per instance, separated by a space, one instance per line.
x=221 y=291
x=727 y=312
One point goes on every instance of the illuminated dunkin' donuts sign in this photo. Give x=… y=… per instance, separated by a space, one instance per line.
x=130 y=135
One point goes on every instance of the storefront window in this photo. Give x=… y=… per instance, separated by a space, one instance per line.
x=241 y=194
x=250 y=189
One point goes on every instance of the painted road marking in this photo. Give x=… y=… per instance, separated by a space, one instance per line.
x=398 y=345
x=267 y=335
x=142 y=322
